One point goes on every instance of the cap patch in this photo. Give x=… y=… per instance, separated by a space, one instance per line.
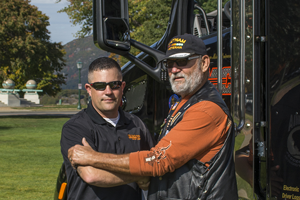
x=176 y=43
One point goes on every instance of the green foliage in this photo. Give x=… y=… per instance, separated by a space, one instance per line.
x=67 y=93
x=49 y=100
x=25 y=48
x=67 y=96
x=210 y=5
x=148 y=18
x=80 y=13
x=30 y=157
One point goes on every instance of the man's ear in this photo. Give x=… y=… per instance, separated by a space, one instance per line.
x=123 y=86
x=205 y=63
x=88 y=88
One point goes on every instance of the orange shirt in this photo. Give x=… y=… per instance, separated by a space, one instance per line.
x=199 y=135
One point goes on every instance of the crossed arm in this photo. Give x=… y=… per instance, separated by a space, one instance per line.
x=92 y=175
x=103 y=178
x=171 y=152
x=85 y=156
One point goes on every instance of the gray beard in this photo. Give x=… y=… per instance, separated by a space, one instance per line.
x=190 y=84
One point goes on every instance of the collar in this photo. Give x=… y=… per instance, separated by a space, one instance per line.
x=98 y=119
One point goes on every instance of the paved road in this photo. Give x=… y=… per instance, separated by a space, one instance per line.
x=6 y=111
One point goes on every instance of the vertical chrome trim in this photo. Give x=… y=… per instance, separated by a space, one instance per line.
x=242 y=69
x=219 y=46
x=253 y=89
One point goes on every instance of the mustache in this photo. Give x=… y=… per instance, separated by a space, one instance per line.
x=178 y=75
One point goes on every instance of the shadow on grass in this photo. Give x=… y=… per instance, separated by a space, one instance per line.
x=5 y=128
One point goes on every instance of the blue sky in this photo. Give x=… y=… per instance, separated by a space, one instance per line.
x=62 y=30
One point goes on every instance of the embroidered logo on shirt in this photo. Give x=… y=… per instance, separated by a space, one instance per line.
x=134 y=137
x=158 y=154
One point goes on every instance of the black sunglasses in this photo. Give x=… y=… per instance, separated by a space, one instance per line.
x=179 y=62
x=102 y=85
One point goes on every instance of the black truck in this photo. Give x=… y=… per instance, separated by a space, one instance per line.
x=254 y=47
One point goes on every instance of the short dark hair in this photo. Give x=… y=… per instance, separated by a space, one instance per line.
x=103 y=63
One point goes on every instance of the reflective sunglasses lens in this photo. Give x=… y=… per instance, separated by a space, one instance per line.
x=99 y=85
x=115 y=84
x=179 y=62
x=102 y=85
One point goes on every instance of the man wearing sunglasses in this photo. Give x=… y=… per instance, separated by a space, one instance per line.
x=194 y=156
x=109 y=130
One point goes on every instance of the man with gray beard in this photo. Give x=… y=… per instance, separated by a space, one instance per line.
x=194 y=156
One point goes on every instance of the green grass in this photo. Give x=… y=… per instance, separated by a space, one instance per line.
x=30 y=157
x=245 y=190
x=238 y=141
x=242 y=184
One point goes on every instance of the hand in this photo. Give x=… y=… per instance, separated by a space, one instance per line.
x=80 y=155
x=144 y=183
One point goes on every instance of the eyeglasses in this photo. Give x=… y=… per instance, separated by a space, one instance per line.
x=102 y=85
x=179 y=62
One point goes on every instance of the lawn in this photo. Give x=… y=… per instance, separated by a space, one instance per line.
x=30 y=157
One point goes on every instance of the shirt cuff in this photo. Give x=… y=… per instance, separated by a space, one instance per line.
x=134 y=164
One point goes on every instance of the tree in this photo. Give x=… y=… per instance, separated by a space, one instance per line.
x=148 y=18
x=150 y=15
x=80 y=13
x=25 y=48
x=210 y=5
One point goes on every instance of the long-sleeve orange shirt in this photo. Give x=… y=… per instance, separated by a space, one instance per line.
x=199 y=135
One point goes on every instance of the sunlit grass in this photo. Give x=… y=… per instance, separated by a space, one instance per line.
x=30 y=157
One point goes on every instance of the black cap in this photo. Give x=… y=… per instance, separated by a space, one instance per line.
x=183 y=46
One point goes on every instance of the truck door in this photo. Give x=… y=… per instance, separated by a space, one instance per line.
x=283 y=49
x=265 y=55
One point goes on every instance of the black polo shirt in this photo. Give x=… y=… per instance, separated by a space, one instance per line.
x=129 y=135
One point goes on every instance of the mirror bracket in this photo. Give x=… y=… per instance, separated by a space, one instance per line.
x=154 y=73
x=154 y=53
